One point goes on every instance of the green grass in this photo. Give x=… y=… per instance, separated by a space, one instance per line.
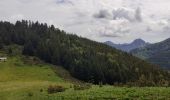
x=20 y=81
x=15 y=70
x=17 y=77
x=120 y=93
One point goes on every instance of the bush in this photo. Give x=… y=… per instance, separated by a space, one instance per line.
x=30 y=94
x=55 y=89
x=17 y=64
x=41 y=90
x=71 y=86
x=82 y=86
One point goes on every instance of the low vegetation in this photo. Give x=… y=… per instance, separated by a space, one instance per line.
x=55 y=88
x=82 y=86
x=24 y=81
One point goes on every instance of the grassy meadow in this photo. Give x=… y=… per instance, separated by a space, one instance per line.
x=29 y=81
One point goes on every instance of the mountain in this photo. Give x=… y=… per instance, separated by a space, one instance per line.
x=85 y=60
x=128 y=47
x=158 y=53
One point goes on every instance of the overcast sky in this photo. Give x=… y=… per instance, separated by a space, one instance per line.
x=119 y=21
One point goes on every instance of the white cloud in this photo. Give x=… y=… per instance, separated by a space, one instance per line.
x=17 y=17
x=100 y=20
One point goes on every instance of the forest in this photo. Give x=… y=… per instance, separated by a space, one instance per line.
x=85 y=59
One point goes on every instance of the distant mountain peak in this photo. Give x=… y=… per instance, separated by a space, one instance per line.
x=108 y=42
x=157 y=53
x=137 y=43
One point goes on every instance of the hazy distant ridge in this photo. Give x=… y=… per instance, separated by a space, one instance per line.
x=138 y=43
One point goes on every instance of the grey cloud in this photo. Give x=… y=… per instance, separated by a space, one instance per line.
x=111 y=31
x=120 y=30
x=24 y=1
x=121 y=13
x=138 y=15
x=109 y=35
x=103 y=14
x=166 y=29
x=127 y=14
x=148 y=29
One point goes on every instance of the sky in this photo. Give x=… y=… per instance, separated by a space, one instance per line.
x=119 y=21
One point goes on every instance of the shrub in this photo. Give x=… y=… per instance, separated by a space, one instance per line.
x=41 y=90
x=30 y=94
x=71 y=86
x=17 y=64
x=55 y=89
x=82 y=86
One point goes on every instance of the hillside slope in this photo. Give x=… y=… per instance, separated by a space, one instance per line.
x=20 y=80
x=86 y=60
x=158 y=53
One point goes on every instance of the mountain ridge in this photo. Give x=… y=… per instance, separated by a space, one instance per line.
x=158 y=53
x=137 y=43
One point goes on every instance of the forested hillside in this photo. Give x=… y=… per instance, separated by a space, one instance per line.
x=85 y=59
x=158 y=53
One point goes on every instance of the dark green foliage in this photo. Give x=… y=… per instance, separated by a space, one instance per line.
x=31 y=60
x=30 y=94
x=41 y=90
x=55 y=88
x=13 y=50
x=86 y=60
